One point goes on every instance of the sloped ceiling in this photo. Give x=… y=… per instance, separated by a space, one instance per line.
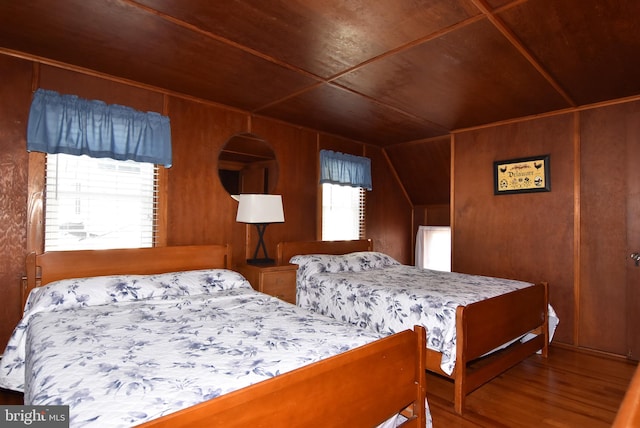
x=378 y=71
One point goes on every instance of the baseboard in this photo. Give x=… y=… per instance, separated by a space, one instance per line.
x=594 y=352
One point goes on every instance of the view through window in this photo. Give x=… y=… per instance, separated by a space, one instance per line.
x=433 y=248
x=99 y=203
x=342 y=212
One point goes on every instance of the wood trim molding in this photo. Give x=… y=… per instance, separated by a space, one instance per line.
x=35 y=203
x=589 y=351
x=452 y=200
x=576 y=227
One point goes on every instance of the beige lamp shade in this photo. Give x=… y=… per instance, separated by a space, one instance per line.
x=259 y=208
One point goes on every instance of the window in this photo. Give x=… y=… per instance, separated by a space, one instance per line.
x=342 y=212
x=344 y=179
x=98 y=203
x=433 y=248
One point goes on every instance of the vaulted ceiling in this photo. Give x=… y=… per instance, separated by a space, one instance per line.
x=377 y=71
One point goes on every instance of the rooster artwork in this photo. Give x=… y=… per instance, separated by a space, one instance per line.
x=522 y=175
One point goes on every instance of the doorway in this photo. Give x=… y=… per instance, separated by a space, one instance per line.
x=609 y=290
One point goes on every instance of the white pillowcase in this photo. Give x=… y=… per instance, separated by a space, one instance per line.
x=353 y=262
x=100 y=290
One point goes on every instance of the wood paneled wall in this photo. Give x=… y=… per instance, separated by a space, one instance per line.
x=389 y=211
x=198 y=209
x=610 y=229
x=577 y=237
x=14 y=108
x=297 y=154
x=527 y=236
x=424 y=167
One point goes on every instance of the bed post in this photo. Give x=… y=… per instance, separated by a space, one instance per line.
x=31 y=269
x=421 y=376
x=545 y=324
x=460 y=370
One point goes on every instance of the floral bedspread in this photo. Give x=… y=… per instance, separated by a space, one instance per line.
x=122 y=350
x=374 y=291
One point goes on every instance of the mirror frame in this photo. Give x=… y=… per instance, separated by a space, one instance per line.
x=247 y=164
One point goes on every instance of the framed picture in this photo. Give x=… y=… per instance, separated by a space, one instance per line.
x=522 y=175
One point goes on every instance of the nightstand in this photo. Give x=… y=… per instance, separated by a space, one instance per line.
x=276 y=280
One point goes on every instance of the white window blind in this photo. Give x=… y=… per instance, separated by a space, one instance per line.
x=342 y=212
x=99 y=203
x=433 y=248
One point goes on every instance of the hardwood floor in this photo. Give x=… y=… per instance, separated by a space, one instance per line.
x=10 y=397
x=568 y=389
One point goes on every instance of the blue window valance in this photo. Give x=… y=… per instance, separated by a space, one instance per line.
x=344 y=169
x=69 y=124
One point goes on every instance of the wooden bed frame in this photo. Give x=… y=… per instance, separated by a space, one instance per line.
x=480 y=327
x=364 y=386
x=629 y=412
x=54 y=265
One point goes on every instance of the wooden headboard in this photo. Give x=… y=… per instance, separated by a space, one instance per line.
x=286 y=250
x=55 y=265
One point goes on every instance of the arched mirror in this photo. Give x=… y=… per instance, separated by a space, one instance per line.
x=247 y=164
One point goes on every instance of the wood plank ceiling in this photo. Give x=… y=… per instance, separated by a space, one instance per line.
x=378 y=71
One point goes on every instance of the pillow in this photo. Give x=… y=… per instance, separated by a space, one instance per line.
x=368 y=260
x=352 y=262
x=100 y=290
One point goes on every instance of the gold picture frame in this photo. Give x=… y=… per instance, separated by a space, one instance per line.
x=522 y=175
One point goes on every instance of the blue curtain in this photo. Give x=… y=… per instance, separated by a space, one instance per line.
x=341 y=168
x=72 y=125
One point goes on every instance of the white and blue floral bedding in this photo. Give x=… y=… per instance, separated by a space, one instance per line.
x=122 y=350
x=372 y=290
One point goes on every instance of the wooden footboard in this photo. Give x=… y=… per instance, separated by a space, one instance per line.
x=486 y=325
x=361 y=387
